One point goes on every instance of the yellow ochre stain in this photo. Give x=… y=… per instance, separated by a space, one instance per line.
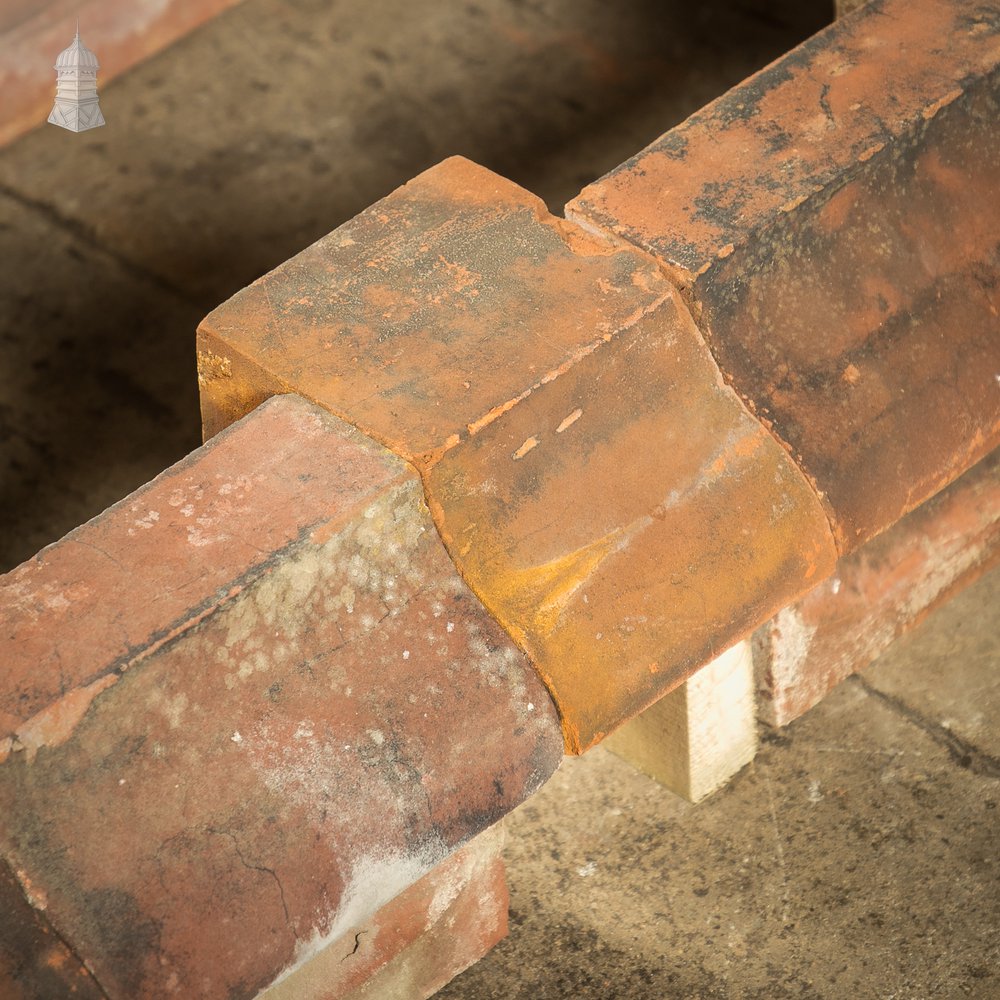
x=533 y=598
x=569 y=421
x=532 y=442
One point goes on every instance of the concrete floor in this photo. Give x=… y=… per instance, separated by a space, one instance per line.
x=857 y=857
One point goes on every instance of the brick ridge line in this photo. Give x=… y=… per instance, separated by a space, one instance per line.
x=42 y=913
x=878 y=142
x=686 y=294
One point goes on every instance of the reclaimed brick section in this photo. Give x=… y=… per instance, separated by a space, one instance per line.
x=275 y=704
x=121 y=32
x=833 y=222
x=877 y=593
x=582 y=455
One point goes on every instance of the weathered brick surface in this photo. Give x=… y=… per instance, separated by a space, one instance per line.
x=834 y=220
x=82 y=611
x=597 y=483
x=328 y=721
x=419 y=941
x=878 y=592
x=121 y=32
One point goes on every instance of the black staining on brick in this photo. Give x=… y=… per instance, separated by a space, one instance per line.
x=39 y=961
x=127 y=935
x=673 y=145
x=742 y=104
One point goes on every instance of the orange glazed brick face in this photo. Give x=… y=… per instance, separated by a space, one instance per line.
x=628 y=520
x=835 y=219
x=604 y=493
x=322 y=728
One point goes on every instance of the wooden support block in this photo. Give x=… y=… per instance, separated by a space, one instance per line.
x=877 y=593
x=694 y=739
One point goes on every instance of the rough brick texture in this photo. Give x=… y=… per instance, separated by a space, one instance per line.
x=275 y=702
x=877 y=593
x=597 y=483
x=834 y=221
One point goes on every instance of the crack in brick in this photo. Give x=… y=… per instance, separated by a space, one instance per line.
x=357 y=944
x=259 y=868
x=51 y=928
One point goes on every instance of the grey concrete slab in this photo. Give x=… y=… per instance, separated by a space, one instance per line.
x=243 y=143
x=856 y=857
x=98 y=390
x=948 y=676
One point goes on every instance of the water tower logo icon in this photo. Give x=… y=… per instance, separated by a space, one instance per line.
x=76 y=106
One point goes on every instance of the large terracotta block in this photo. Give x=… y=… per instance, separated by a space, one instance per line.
x=834 y=222
x=323 y=714
x=597 y=483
